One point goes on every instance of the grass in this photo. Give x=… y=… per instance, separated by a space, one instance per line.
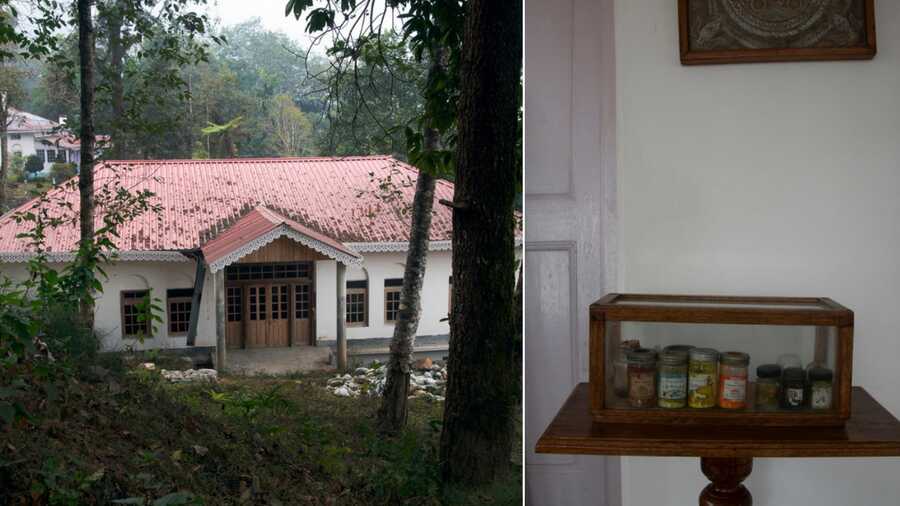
x=131 y=436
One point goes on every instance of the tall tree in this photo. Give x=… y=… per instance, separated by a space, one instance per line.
x=476 y=440
x=288 y=126
x=430 y=26
x=11 y=77
x=86 y=172
x=393 y=412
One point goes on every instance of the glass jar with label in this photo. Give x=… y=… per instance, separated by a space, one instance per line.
x=820 y=388
x=620 y=367
x=642 y=378
x=768 y=383
x=673 y=370
x=733 y=380
x=792 y=388
x=702 y=367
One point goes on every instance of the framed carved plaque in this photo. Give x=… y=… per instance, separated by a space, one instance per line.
x=740 y=31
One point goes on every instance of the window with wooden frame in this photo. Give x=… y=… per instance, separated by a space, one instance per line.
x=357 y=303
x=178 y=302
x=255 y=272
x=280 y=302
x=392 y=289
x=233 y=299
x=133 y=325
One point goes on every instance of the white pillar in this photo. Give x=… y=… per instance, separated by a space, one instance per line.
x=341 y=316
x=219 y=281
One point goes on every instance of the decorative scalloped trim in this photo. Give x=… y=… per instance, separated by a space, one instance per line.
x=126 y=256
x=284 y=231
x=390 y=247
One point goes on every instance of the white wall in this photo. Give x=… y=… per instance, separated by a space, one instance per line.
x=776 y=179
x=378 y=267
x=159 y=276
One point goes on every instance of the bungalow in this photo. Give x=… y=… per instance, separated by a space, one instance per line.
x=32 y=135
x=249 y=253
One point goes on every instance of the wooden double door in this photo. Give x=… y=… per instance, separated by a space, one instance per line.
x=270 y=314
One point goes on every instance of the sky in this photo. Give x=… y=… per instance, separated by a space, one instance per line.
x=271 y=12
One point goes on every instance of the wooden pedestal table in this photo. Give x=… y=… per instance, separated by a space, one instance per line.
x=726 y=452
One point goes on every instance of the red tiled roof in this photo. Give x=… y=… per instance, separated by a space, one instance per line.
x=340 y=198
x=260 y=222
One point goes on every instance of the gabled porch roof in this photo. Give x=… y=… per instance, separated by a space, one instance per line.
x=260 y=227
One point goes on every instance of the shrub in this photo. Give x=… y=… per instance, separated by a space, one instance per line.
x=16 y=168
x=33 y=165
x=61 y=171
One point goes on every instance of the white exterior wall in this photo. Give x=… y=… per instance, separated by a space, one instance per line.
x=28 y=146
x=157 y=276
x=376 y=268
x=776 y=179
x=25 y=145
x=161 y=276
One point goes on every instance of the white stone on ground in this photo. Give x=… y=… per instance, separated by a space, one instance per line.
x=427 y=380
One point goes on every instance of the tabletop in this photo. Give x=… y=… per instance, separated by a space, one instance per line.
x=871 y=431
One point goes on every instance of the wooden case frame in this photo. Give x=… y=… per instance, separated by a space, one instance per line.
x=689 y=57
x=828 y=314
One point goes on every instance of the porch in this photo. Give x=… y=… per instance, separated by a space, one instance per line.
x=253 y=361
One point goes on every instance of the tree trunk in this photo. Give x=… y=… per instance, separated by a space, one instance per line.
x=119 y=150
x=392 y=414
x=393 y=411
x=476 y=442
x=86 y=173
x=4 y=150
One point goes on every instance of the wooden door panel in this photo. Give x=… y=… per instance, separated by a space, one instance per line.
x=234 y=313
x=257 y=316
x=279 y=316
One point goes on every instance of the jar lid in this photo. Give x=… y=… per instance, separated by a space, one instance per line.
x=820 y=374
x=768 y=371
x=793 y=373
x=735 y=358
x=673 y=357
x=642 y=356
x=704 y=354
x=684 y=348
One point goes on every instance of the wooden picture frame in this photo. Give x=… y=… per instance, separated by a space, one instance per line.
x=767 y=50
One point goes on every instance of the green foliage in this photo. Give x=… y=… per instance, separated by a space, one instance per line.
x=62 y=171
x=16 y=168
x=33 y=164
x=250 y=405
x=433 y=31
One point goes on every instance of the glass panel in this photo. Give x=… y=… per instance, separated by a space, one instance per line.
x=301 y=302
x=262 y=303
x=233 y=297
x=253 y=304
x=807 y=353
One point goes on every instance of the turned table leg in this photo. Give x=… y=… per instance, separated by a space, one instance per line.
x=726 y=476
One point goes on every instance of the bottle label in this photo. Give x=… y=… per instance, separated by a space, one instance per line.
x=821 y=398
x=641 y=385
x=672 y=387
x=794 y=396
x=734 y=389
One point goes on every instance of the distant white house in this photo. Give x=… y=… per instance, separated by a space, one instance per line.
x=30 y=134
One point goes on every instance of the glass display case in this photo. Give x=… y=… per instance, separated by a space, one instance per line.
x=768 y=361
